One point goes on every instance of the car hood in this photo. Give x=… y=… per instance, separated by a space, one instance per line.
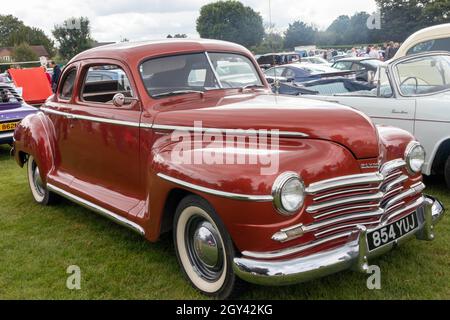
x=15 y=111
x=316 y=119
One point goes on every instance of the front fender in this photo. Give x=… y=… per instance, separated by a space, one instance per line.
x=393 y=142
x=33 y=137
x=250 y=223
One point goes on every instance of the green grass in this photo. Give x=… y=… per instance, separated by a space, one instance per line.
x=37 y=244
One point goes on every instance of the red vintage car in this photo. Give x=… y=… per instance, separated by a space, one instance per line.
x=186 y=136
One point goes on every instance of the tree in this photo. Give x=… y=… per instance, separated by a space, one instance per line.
x=340 y=28
x=232 y=21
x=23 y=52
x=299 y=33
x=13 y=32
x=272 y=42
x=74 y=36
x=401 y=18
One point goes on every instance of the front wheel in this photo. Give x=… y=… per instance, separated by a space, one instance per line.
x=39 y=191
x=204 y=248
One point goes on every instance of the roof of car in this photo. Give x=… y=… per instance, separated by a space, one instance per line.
x=356 y=59
x=145 y=49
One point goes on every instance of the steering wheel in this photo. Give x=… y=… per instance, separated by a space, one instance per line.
x=409 y=78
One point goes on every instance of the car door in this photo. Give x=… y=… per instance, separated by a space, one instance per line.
x=383 y=104
x=101 y=149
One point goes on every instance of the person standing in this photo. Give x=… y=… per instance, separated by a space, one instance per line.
x=55 y=76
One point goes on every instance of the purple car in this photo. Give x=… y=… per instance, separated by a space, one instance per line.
x=12 y=110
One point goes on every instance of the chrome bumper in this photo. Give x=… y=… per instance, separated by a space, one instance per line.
x=353 y=255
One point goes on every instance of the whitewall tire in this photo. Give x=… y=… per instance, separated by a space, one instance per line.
x=204 y=248
x=39 y=191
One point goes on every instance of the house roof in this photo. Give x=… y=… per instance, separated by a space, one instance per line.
x=39 y=50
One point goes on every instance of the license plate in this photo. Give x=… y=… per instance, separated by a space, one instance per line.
x=9 y=126
x=392 y=232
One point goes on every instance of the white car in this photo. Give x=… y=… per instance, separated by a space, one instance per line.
x=412 y=93
x=315 y=60
x=435 y=38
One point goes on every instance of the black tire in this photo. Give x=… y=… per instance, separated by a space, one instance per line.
x=216 y=279
x=447 y=172
x=40 y=192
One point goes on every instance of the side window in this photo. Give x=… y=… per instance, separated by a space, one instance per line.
x=342 y=65
x=289 y=73
x=102 y=82
x=67 y=85
x=357 y=67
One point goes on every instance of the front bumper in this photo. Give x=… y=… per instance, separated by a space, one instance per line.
x=353 y=255
x=6 y=137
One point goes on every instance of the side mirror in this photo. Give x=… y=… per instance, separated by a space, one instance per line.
x=270 y=80
x=120 y=100
x=290 y=80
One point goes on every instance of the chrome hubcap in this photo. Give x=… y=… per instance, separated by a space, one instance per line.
x=204 y=248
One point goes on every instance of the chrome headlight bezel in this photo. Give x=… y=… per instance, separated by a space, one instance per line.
x=277 y=193
x=408 y=157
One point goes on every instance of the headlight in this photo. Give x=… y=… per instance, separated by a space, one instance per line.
x=414 y=157
x=288 y=193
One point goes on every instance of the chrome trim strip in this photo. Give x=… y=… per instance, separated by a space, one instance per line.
x=292 y=250
x=328 y=195
x=235 y=196
x=395 y=182
x=345 y=209
x=344 y=218
x=89 y=118
x=344 y=181
x=372 y=197
x=96 y=208
x=227 y=131
x=6 y=135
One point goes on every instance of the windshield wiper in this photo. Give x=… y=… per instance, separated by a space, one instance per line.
x=173 y=93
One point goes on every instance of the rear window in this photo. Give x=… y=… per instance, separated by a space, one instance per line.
x=431 y=45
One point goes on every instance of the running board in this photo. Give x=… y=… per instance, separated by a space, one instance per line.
x=96 y=208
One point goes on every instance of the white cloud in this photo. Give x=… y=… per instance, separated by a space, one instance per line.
x=149 y=19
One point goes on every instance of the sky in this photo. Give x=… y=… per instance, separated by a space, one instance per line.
x=113 y=20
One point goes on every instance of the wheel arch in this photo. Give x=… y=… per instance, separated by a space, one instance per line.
x=439 y=156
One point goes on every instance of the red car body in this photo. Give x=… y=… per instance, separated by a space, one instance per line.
x=117 y=161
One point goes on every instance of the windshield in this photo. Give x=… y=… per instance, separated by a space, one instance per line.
x=423 y=75
x=234 y=70
x=189 y=73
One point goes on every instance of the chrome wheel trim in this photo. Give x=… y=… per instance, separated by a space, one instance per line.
x=204 y=249
x=198 y=281
x=36 y=186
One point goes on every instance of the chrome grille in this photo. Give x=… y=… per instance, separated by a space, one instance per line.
x=339 y=205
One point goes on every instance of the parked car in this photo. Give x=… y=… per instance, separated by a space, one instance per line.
x=412 y=93
x=12 y=110
x=329 y=86
x=277 y=59
x=365 y=68
x=301 y=72
x=339 y=57
x=315 y=60
x=336 y=191
x=435 y=38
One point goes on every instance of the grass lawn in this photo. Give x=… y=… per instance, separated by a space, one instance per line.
x=37 y=244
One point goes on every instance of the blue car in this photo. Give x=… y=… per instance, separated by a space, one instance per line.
x=12 y=110
x=302 y=72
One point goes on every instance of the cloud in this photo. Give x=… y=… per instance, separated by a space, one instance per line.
x=149 y=19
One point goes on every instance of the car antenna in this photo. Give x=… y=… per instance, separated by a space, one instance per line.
x=275 y=82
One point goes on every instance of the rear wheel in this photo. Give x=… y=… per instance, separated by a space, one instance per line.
x=204 y=248
x=38 y=189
